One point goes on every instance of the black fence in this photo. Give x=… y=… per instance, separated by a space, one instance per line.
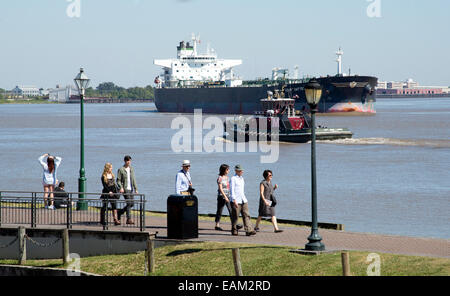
x=75 y=209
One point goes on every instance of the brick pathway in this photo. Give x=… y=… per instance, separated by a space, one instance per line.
x=333 y=240
x=295 y=237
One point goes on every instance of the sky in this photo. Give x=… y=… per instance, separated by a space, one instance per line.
x=117 y=40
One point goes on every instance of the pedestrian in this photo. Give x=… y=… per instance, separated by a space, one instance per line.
x=239 y=202
x=49 y=179
x=223 y=195
x=61 y=196
x=126 y=182
x=109 y=193
x=267 y=201
x=183 y=181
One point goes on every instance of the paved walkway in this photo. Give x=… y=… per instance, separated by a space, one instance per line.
x=295 y=237
x=333 y=240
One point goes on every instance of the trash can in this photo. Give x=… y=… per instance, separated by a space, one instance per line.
x=182 y=217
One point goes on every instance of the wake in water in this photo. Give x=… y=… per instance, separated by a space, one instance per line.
x=393 y=142
x=431 y=143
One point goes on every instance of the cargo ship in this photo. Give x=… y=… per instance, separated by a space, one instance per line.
x=203 y=81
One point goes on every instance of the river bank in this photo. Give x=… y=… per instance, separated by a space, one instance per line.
x=267 y=253
x=26 y=102
x=416 y=96
x=215 y=259
x=75 y=101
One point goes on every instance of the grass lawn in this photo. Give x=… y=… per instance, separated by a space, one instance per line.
x=215 y=259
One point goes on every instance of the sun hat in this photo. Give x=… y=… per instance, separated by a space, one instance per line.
x=238 y=168
x=186 y=163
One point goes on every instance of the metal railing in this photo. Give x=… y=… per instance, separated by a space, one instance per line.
x=29 y=208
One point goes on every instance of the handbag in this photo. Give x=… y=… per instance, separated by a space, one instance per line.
x=274 y=200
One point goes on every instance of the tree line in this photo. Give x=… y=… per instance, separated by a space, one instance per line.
x=2 y=94
x=110 y=90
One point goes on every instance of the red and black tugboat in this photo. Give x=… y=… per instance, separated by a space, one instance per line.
x=279 y=121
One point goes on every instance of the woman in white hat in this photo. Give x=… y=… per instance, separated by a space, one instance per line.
x=183 y=179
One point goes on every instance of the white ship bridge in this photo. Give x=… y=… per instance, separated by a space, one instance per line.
x=191 y=68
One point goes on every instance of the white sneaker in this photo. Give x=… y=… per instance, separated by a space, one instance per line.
x=51 y=207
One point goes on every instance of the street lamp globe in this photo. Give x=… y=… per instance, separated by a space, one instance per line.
x=313 y=92
x=81 y=81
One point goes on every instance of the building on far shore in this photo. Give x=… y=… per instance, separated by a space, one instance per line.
x=409 y=88
x=62 y=94
x=26 y=91
x=411 y=84
x=395 y=85
x=382 y=85
x=411 y=91
x=445 y=89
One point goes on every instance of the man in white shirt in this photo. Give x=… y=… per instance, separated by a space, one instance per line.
x=239 y=203
x=183 y=179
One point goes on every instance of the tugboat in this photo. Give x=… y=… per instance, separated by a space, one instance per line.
x=279 y=121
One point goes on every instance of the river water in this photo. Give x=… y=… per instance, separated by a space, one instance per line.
x=393 y=177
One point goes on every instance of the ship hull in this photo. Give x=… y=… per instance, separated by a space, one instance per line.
x=302 y=136
x=340 y=95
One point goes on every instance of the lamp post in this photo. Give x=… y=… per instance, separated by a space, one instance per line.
x=313 y=92
x=82 y=82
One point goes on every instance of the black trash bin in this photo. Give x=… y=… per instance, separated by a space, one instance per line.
x=182 y=217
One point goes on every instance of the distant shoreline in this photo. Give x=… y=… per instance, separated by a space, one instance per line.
x=424 y=96
x=125 y=101
x=87 y=101
x=109 y=101
x=25 y=102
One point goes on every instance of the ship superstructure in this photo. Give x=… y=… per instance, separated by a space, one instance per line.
x=339 y=55
x=191 y=68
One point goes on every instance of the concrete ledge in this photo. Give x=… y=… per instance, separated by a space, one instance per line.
x=323 y=225
x=82 y=242
x=13 y=270
x=312 y=253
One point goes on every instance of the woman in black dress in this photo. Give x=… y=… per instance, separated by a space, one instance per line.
x=109 y=192
x=267 y=201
